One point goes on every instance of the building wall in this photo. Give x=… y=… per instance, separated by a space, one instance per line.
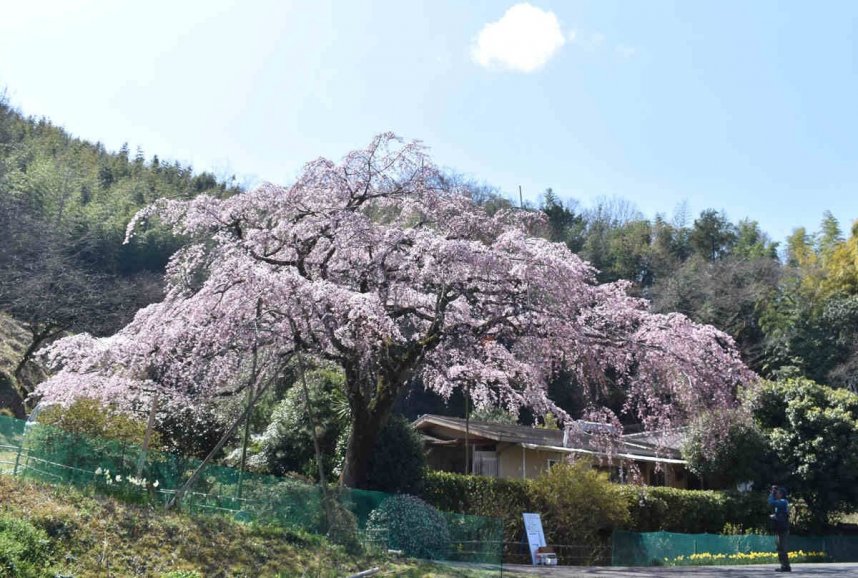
x=510 y=463
x=452 y=459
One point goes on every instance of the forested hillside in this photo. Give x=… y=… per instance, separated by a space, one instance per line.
x=792 y=309
x=64 y=206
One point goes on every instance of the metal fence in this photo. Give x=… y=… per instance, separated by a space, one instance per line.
x=661 y=548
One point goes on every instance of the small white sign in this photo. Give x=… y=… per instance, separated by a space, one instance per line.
x=535 y=536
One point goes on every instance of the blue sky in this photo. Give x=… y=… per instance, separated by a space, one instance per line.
x=750 y=107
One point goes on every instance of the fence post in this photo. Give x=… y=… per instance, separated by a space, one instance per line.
x=18 y=457
x=20 y=449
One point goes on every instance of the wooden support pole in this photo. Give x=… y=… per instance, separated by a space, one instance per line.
x=147 y=437
x=177 y=498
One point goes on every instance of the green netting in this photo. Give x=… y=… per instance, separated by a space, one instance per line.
x=121 y=469
x=656 y=548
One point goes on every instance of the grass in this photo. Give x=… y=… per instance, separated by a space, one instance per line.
x=91 y=535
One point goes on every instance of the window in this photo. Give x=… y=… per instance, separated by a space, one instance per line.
x=485 y=463
x=552 y=463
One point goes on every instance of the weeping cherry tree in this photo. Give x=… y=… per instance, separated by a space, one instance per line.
x=377 y=266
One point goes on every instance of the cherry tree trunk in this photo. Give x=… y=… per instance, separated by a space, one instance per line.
x=367 y=422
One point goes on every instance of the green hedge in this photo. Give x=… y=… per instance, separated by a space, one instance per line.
x=479 y=495
x=653 y=509
x=650 y=508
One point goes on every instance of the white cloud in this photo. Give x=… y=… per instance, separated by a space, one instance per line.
x=523 y=40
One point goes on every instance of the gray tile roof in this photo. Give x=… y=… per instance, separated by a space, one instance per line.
x=645 y=444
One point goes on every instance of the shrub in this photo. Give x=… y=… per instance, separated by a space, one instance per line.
x=482 y=496
x=409 y=524
x=287 y=444
x=24 y=549
x=279 y=501
x=692 y=511
x=89 y=418
x=742 y=456
x=188 y=431
x=86 y=435
x=398 y=462
x=650 y=509
x=579 y=505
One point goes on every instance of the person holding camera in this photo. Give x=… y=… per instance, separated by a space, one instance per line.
x=780 y=524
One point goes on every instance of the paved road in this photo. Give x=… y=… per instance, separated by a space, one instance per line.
x=756 y=571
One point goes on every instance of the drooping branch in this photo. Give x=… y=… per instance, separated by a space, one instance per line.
x=374 y=265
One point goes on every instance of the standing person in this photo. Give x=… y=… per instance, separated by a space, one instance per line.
x=780 y=521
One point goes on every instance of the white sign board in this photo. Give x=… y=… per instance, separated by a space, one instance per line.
x=535 y=536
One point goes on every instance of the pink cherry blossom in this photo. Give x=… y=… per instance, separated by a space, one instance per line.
x=372 y=265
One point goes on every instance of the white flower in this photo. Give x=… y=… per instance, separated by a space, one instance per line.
x=98 y=471
x=118 y=478
x=155 y=484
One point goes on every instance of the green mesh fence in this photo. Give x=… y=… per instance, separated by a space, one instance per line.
x=378 y=521
x=659 y=548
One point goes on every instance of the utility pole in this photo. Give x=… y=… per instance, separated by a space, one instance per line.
x=520 y=198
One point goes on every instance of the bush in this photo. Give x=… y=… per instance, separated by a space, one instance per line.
x=482 y=496
x=287 y=444
x=398 y=462
x=692 y=511
x=86 y=436
x=578 y=504
x=409 y=524
x=189 y=431
x=742 y=455
x=89 y=418
x=24 y=549
x=278 y=501
x=650 y=509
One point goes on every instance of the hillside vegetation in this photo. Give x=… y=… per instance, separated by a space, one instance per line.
x=48 y=531
x=64 y=206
